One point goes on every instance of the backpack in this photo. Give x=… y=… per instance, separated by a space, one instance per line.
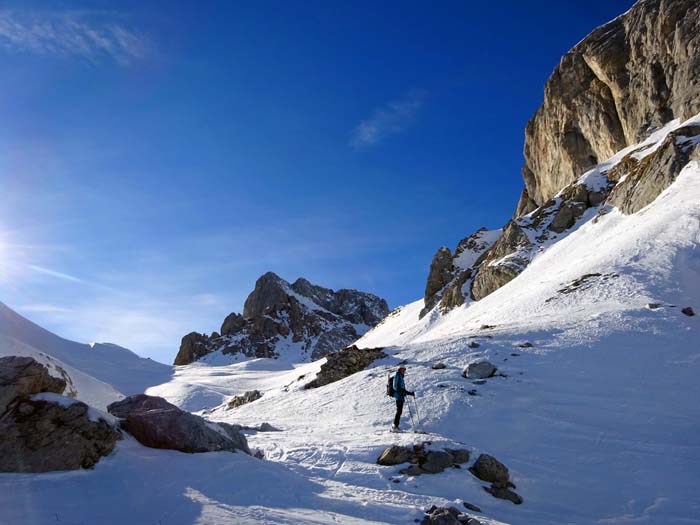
x=390 y=386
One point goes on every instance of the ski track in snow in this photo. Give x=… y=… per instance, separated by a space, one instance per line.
x=598 y=421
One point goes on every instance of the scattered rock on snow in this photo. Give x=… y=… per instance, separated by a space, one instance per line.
x=248 y=397
x=344 y=363
x=437 y=461
x=447 y=516
x=394 y=455
x=479 y=370
x=504 y=493
x=158 y=424
x=471 y=507
x=267 y=427
x=439 y=366
x=525 y=345
x=473 y=344
x=422 y=461
x=488 y=468
x=652 y=306
x=688 y=311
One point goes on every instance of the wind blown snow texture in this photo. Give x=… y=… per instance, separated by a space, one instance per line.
x=598 y=421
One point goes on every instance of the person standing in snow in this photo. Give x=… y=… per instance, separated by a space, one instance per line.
x=400 y=394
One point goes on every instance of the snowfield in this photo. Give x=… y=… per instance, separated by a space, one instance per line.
x=596 y=413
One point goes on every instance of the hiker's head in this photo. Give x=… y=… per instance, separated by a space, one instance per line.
x=402 y=370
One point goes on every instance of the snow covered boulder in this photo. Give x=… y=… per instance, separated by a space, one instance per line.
x=42 y=430
x=23 y=376
x=158 y=424
x=479 y=370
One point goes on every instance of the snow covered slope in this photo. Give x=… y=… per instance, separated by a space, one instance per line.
x=78 y=384
x=108 y=363
x=595 y=415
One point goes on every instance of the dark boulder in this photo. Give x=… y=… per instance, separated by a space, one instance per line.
x=158 y=424
x=488 y=468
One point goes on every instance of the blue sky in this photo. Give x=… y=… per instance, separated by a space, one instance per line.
x=157 y=157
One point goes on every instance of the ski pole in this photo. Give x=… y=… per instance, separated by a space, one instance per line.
x=417 y=414
x=413 y=423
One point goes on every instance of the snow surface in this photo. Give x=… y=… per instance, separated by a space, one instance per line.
x=121 y=368
x=597 y=420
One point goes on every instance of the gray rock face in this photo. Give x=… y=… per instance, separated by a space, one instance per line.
x=479 y=370
x=630 y=76
x=451 y=274
x=278 y=315
x=619 y=84
x=158 y=424
x=441 y=273
x=341 y=364
x=39 y=435
x=491 y=276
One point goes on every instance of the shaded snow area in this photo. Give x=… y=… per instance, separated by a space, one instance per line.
x=594 y=408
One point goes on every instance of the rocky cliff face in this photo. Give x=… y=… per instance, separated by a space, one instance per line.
x=278 y=317
x=620 y=83
x=626 y=80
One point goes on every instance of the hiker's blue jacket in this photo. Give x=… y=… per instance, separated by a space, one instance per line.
x=399 y=387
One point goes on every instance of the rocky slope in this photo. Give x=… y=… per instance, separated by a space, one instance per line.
x=302 y=320
x=620 y=83
x=634 y=78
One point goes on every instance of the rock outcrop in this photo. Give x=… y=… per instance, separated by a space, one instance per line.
x=450 y=274
x=423 y=460
x=42 y=430
x=278 y=317
x=244 y=399
x=348 y=361
x=156 y=423
x=625 y=80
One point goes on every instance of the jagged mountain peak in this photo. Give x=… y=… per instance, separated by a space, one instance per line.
x=300 y=321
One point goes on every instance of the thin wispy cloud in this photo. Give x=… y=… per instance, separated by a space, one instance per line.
x=45 y=308
x=54 y=273
x=389 y=120
x=70 y=33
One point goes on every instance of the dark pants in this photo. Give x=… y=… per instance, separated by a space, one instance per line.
x=399 y=409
